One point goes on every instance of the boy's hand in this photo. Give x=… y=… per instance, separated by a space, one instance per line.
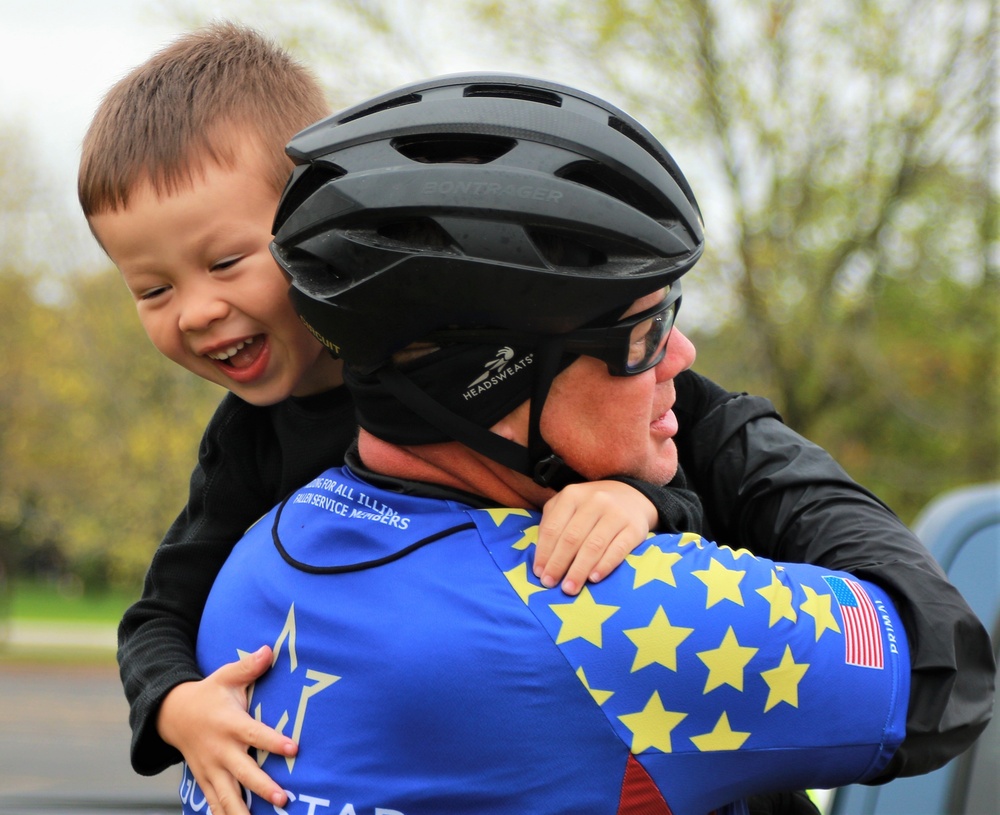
x=208 y=722
x=587 y=530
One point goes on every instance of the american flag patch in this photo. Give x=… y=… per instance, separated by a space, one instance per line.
x=862 y=630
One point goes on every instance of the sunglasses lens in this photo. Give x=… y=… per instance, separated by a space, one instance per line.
x=646 y=343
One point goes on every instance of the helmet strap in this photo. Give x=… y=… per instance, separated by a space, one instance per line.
x=547 y=468
x=536 y=461
x=456 y=427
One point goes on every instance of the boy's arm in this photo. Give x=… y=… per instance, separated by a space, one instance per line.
x=156 y=637
x=766 y=488
x=588 y=529
x=208 y=722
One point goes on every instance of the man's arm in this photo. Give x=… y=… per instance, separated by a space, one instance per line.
x=768 y=489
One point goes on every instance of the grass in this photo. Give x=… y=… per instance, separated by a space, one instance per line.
x=28 y=603
x=45 y=601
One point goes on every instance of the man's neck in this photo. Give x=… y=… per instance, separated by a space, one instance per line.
x=452 y=465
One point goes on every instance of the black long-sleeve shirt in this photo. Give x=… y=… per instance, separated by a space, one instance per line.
x=762 y=485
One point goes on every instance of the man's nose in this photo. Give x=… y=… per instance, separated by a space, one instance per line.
x=680 y=355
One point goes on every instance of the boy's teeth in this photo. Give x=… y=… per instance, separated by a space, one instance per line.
x=232 y=351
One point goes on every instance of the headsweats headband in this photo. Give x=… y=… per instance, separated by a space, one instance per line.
x=480 y=383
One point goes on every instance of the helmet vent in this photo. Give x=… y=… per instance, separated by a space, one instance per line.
x=301 y=187
x=395 y=102
x=603 y=179
x=627 y=130
x=313 y=275
x=521 y=92
x=415 y=235
x=459 y=148
x=564 y=249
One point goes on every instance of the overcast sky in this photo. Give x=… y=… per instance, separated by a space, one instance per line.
x=57 y=58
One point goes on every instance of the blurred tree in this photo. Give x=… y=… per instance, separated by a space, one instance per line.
x=108 y=436
x=20 y=531
x=98 y=432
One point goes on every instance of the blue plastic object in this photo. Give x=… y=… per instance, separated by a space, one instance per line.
x=962 y=530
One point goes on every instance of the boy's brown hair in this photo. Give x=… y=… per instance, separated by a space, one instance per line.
x=200 y=99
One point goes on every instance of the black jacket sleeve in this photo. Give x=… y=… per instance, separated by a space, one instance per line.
x=250 y=458
x=156 y=637
x=766 y=488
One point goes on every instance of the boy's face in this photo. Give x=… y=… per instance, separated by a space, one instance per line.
x=209 y=294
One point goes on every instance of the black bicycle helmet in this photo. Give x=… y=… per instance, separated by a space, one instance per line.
x=487 y=201
x=477 y=200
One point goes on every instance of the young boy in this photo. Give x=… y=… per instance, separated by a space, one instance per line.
x=182 y=169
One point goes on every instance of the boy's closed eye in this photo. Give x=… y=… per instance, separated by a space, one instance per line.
x=225 y=263
x=152 y=294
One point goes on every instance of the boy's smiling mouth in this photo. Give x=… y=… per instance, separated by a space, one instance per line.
x=241 y=354
x=243 y=361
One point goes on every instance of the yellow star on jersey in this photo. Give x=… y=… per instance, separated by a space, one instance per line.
x=656 y=644
x=529 y=537
x=818 y=607
x=501 y=514
x=582 y=618
x=600 y=696
x=651 y=726
x=722 y=583
x=738 y=553
x=722 y=737
x=726 y=663
x=783 y=681
x=518 y=577
x=653 y=564
x=780 y=598
x=688 y=538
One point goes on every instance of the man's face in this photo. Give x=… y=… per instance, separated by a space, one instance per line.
x=604 y=425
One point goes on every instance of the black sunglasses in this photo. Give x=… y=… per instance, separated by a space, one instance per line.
x=631 y=345
x=628 y=347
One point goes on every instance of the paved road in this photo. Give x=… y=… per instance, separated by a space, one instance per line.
x=64 y=744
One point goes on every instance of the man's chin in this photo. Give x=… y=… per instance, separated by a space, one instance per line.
x=663 y=468
x=659 y=471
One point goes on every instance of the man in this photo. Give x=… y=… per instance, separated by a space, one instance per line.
x=497 y=261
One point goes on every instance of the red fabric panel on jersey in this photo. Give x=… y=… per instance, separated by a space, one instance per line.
x=640 y=796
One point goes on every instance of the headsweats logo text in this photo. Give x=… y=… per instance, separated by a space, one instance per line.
x=485 y=188
x=497 y=370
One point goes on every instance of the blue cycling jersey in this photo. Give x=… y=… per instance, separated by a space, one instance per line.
x=423 y=670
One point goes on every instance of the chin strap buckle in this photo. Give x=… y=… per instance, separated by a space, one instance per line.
x=553 y=472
